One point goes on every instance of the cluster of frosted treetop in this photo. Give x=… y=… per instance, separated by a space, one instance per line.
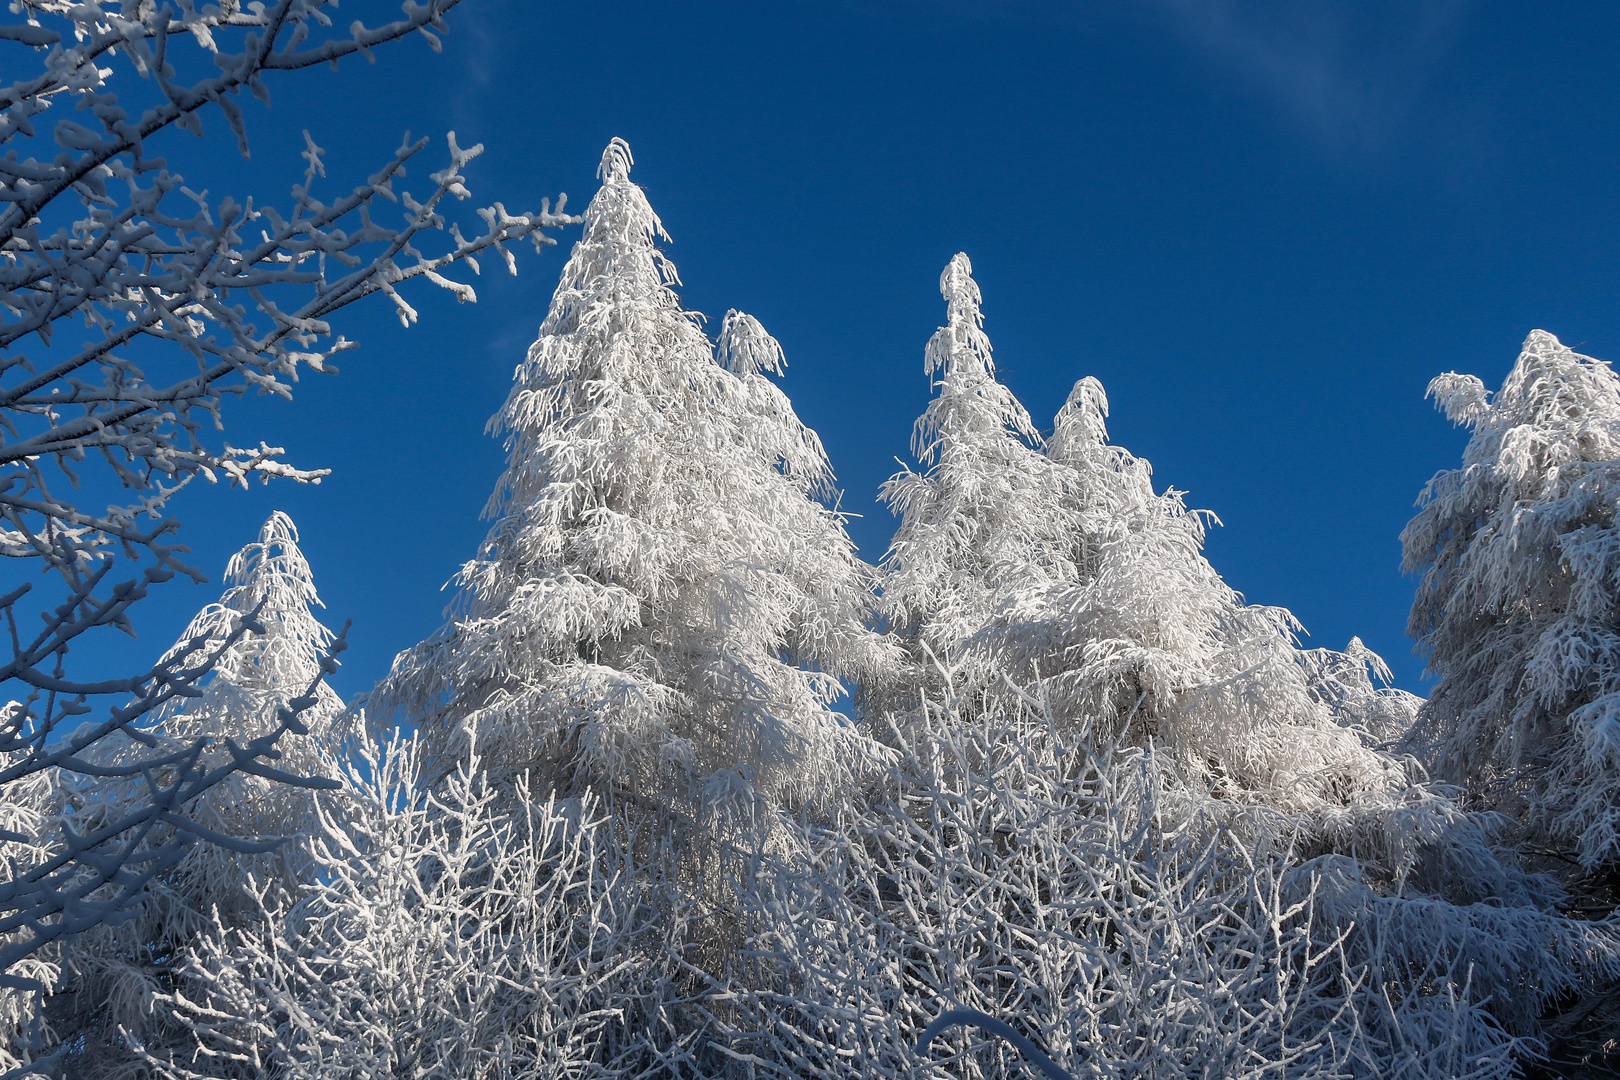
x=684 y=788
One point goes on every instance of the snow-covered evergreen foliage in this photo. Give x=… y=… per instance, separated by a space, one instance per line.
x=1055 y=565
x=1518 y=604
x=112 y=971
x=1087 y=788
x=663 y=603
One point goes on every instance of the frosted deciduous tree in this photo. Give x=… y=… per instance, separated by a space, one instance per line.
x=663 y=604
x=132 y=306
x=1518 y=604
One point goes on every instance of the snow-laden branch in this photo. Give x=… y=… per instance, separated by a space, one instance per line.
x=132 y=305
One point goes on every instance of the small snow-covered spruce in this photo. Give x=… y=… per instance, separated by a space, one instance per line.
x=254 y=817
x=1518 y=602
x=663 y=604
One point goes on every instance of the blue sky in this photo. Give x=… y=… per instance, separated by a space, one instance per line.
x=1264 y=226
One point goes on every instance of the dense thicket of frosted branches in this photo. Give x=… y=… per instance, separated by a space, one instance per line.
x=1003 y=870
x=663 y=604
x=456 y=932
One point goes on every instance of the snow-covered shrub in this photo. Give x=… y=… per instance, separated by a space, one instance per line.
x=1518 y=603
x=1067 y=890
x=663 y=605
x=460 y=932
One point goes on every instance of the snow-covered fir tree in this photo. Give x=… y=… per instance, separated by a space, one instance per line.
x=1141 y=639
x=985 y=508
x=105 y=1003
x=663 y=605
x=1518 y=614
x=1518 y=604
x=1054 y=563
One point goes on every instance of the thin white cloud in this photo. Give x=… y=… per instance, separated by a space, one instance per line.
x=1354 y=74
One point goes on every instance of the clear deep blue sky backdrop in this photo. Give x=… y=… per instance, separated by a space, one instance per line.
x=1264 y=226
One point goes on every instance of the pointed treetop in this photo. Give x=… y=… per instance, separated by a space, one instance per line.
x=616 y=162
x=746 y=348
x=272 y=569
x=961 y=342
x=1083 y=416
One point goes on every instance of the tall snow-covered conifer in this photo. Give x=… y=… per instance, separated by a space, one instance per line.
x=663 y=603
x=1518 y=604
x=1141 y=639
x=985 y=506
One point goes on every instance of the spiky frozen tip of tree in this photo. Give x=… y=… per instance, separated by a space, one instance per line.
x=662 y=599
x=1518 y=602
x=133 y=305
x=983 y=508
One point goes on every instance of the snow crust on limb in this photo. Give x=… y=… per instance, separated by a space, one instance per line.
x=1518 y=600
x=462 y=931
x=662 y=603
x=257 y=819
